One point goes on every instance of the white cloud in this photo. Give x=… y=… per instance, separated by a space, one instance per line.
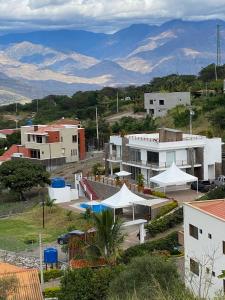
x=86 y=13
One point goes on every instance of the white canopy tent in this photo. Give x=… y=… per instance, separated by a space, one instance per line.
x=122 y=199
x=123 y=174
x=173 y=176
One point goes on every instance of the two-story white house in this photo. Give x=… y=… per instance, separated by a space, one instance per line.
x=153 y=153
x=204 y=245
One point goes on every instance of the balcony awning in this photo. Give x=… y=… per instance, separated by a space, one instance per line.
x=123 y=174
x=173 y=176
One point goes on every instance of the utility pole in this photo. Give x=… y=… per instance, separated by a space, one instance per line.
x=41 y=259
x=191 y=114
x=218 y=50
x=97 y=133
x=117 y=102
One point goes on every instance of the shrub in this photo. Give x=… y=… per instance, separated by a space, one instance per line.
x=145 y=276
x=164 y=223
x=217 y=193
x=87 y=283
x=52 y=292
x=159 y=194
x=30 y=240
x=167 y=208
x=169 y=243
x=147 y=191
x=52 y=274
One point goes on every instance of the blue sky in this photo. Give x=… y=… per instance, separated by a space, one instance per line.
x=102 y=15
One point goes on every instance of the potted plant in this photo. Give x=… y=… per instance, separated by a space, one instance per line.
x=140 y=182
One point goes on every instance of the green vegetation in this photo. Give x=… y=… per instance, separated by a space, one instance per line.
x=15 y=231
x=21 y=175
x=164 y=223
x=86 y=283
x=52 y=274
x=168 y=243
x=216 y=193
x=148 y=277
x=109 y=236
x=8 y=286
x=167 y=208
x=52 y=292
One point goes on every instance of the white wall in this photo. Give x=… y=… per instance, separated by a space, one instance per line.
x=208 y=252
x=61 y=195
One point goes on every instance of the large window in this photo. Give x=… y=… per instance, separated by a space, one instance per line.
x=194 y=266
x=135 y=155
x=152 y=157
x=193 y=231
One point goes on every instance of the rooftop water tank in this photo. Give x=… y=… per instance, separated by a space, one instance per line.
x=29 y=122
x=50 y=256
x=58 y=182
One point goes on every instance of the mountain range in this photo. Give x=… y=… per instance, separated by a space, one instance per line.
x=36 y=64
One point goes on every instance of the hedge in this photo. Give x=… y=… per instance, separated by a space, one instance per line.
x=169 y=243
x=52 y=292
x=52 y=274
x=167 y=208
x=164 y=223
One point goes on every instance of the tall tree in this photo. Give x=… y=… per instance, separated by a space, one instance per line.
x=20 y=175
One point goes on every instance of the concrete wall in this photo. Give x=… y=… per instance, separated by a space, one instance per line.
x=61 y=195
x=208 y=252
x=170 y=100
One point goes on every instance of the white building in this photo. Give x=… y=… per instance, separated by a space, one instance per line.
x=157 y=104
x=153 y=153
x=204 y=243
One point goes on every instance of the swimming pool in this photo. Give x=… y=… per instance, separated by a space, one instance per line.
x=97 y=208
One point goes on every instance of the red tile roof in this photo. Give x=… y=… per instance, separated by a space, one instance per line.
x=27 y=285
x=13 y=149
x=7 y=131
x=215 y=208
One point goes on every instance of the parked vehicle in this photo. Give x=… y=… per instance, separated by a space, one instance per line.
x=220 y=180
x=203 y=186
x=64 y=238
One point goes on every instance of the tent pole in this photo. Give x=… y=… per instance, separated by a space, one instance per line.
x=133 y=211
x=114 y=214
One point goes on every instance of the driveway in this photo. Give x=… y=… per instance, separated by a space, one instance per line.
x=184 y=195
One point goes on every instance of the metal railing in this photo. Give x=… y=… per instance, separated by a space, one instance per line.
x=159 y=165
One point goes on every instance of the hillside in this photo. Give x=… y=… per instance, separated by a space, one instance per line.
x=40 y=63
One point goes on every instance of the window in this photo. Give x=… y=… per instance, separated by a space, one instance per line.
x=61 y=139
x=209 y=235
x=194 y=266
x=161 y=102
x=151 y=101
x=28 y=138
x=74 y=138
x=73 y=152
x=223 y=247
x=207 y=270
x=200 y=230
x=152 y=157
x=39 y=139
x=35 y=153
x=213 y=274
x=33 y=136
x=193 y=231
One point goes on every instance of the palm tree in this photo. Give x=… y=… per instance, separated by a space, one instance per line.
x=109 y=236
x=50 y=203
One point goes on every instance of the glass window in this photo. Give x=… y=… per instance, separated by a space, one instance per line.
x=152 y=157
x=193 y=231
x=39 y=139
x=194 y=266
x=28 y=138
x=74 y=138
x=151 y=101
x=161 y=102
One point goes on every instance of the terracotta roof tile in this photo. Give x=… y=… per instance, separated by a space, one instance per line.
x=28 y=284
x=212 y=207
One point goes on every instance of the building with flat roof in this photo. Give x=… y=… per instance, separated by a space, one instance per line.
x=157 y=104
x=52 y=145
x=204 y=244
x=150 y=154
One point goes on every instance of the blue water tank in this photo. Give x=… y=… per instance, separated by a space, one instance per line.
x=58 y=182
x=50 y=256
x=29 y=122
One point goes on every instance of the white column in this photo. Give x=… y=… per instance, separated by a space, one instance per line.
x=142 y=233
x=133 y=211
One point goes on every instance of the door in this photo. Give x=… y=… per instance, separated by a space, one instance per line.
x=170 y=158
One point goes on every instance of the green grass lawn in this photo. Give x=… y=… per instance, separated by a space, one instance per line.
x=16 y=230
